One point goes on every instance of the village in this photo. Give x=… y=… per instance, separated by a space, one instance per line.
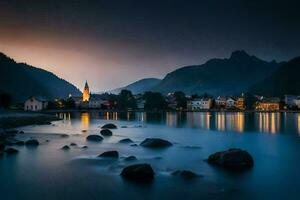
x=154 y=101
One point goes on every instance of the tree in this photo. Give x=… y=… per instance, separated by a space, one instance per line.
x=70 y=103
x=126 y=100
x=154 y=100
x=5 y=100
x=180 y=99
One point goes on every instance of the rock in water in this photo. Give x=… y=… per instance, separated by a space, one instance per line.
x=130 y=158
x=155 y=143
x=126 y=140
x=109 y=126
x=110 y=154
x=73 y=144
x=20 y=143
x=66 y=147
x=138 y=172
x=32 y=142
x=106 y=132
x=186 y=174
x=11 y=151
x=235 y=159
x=94 y=138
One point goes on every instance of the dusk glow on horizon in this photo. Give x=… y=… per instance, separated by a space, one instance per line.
x=114 y=43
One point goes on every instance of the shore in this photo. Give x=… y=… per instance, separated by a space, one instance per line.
x=13 y=119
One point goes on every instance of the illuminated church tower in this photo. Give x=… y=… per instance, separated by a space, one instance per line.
x=86 y=93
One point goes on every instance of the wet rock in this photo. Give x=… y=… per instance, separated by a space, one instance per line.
x=106 y=132
x=20 y=143
x=234 y=159
x=64 y=135
x=47 y=140
x=134 y=145
x=155 y=143
x=126 y=140
x=84 y=147
x=84 y=131
x=73 y=144
x=109 y=126
x=32 y=142
x=130 y=158
x=66 y=147
x=21 y=132
x=94 y=138
x=138 y=172
x=124 y=126
x=186 y=174
x=110 y=154
x=11 y=151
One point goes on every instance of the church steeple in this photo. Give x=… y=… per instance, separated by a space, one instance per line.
x=86 y=92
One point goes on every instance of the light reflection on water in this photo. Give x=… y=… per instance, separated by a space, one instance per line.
x=220 y=121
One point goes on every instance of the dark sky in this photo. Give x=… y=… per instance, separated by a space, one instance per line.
x=111 y=43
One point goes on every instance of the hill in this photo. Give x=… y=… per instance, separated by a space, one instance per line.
x=21 y=81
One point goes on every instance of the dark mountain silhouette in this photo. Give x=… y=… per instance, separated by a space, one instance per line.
x=139 y=86
x=21 y=81
x=285 y=80
x=218 y=76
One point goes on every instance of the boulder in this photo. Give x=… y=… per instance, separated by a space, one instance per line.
x=20 y=143
x=21 y=132
x=155 y=143
x=84 y=147
x=66 y=147
x=186 y=174
x=11 y=151
x=32 y=142
x=109 y=154
x=73 y=144
x=109 y=126
x=94 y=138
x=106 y=132
x=235 y=159
x=126 y=140
x=130 y=158
x=138 y=172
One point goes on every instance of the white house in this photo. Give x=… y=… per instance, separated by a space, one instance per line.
x=220 y=102
x=199 y=104
x=35 y=104
x=230 y=102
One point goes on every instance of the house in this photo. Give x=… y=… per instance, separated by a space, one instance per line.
x=297 y=102
x=199 y=104
x=290 y=101
x=230 y=103
x=95 y=101
x=268 y=104
x=35 y=104
x=220 y=102
x=240 y=103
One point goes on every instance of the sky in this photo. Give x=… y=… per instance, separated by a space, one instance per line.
x=112 y=43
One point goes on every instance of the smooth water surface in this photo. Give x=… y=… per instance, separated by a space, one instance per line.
x=47 y=172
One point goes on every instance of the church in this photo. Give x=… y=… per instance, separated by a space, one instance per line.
x=88 y=100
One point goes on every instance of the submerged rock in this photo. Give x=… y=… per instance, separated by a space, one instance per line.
x=186 y=174
x=94 y=138
x=130 y=158
x=138 y=172
x=66 y=147
x=235 y=159
x=110 y=154
x=73 y=144
x=20 y=143
x=155 y=143
x=106 y=132
x=11 y=151
x=124 y=126
x=109 y=126
x=21 y=132
x=32 y=142
x=84 y=147
x=126 y=140
x=84 y=131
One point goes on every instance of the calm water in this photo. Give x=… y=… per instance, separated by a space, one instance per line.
x=47 y=172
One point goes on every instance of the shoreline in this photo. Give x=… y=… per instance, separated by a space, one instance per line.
x=14 y=119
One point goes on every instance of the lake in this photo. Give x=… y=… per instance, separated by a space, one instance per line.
x=47 y=172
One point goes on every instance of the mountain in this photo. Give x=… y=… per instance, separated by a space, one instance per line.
x=21 y=81
x=285 y=80
x=139 y=86
x=227 y=76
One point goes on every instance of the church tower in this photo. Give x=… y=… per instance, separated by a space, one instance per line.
x=86 y=93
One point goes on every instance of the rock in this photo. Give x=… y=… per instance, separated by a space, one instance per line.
x=124 y=126
x=186 y=174
x=106 y=132
x=64 y=135
x=134 y=145
x=110 y=154
x=32 y=142
x=20 y=143
x=109 y=126
x=155 y=143
x=11 y=151
x=21 y=132
x=84 y=147
x=138 y=172
x=73 y=144
x=84 y=131
x=66 y=147
x=126 y=140
x=130 y=158
x=47 y=140
x=235 y=159
x=94 y=138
